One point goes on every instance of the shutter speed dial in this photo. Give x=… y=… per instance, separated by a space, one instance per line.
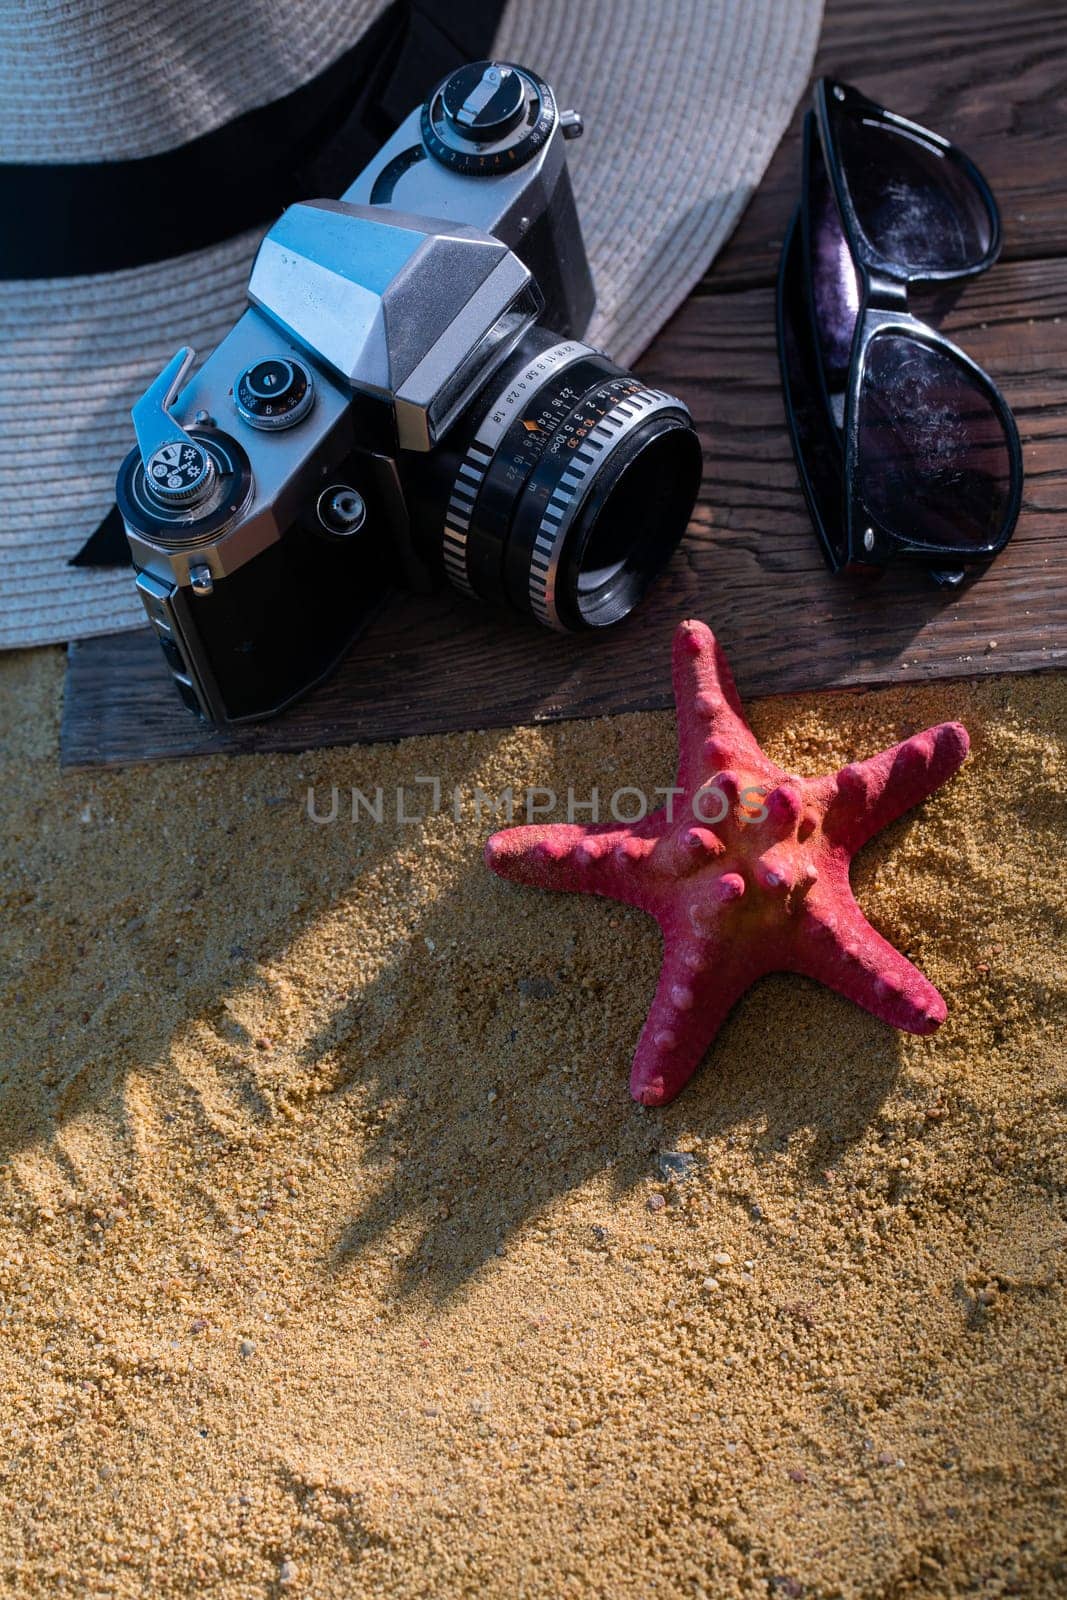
x=489 y=117
x=273 y=393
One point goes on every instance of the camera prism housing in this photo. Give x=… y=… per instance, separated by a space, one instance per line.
x=407 y=400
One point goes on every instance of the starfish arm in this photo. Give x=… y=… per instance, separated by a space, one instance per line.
x=843 y=951
x=697 y=988
x=711 y=722
x=604 y=858
x=868 y=795
x=745 y=889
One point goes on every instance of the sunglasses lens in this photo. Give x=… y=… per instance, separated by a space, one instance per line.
x=918 y=206
x=933 y=461
x=835 y=289
x=816 y=446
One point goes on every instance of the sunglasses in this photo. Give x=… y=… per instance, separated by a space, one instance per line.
x=904 y=446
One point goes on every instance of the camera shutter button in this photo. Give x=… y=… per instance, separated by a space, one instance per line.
x=273 y=393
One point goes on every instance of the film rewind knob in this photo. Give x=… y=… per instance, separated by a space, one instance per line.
x=179 y=471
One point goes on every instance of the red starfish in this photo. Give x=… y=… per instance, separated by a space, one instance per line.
x=747 y=873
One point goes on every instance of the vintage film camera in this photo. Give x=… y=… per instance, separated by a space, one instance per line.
x=407 y=399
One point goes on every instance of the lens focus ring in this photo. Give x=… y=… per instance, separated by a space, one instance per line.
x=621 y=418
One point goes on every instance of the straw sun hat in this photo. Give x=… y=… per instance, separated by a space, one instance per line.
x=146 y=148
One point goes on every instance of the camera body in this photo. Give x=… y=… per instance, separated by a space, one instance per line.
x=406 y=400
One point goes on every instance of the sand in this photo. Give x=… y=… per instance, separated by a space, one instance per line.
x=336 y=1261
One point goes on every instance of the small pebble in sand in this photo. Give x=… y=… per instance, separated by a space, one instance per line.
x=656 y=1202
x=710 y=1285
x=536 y=988
x=287 y=1572
x=723 y=1258
x=263 y=1043
x=247 y=1348
x=675 y=1164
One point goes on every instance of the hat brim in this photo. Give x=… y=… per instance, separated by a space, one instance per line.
x=683 y=107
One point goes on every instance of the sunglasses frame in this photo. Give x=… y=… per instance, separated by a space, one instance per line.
x=883 y=284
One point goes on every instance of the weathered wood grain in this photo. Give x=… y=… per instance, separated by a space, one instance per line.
x=749 y=566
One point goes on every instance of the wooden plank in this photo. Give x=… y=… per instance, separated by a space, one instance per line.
x=986 y=74
x=749 y=566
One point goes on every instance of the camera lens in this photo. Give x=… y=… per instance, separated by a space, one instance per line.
x=632 y=521
x=571 y=483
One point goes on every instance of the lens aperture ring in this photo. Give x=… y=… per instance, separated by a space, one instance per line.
x=507 y=408
x=627 y=405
